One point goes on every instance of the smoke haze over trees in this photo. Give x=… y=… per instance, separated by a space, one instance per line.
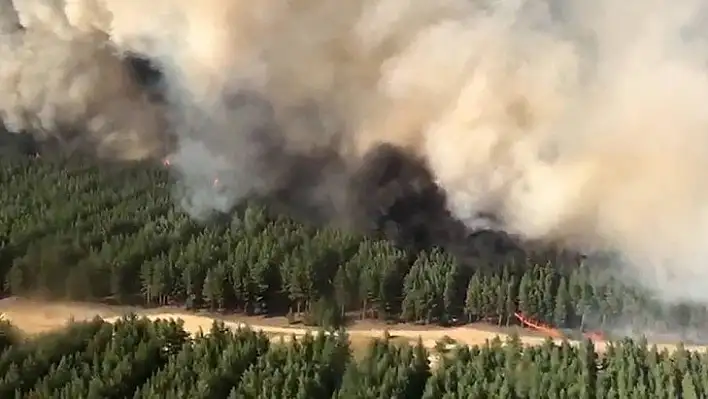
x=80 y=230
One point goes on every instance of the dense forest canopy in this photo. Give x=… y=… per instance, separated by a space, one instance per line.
x=143 y=359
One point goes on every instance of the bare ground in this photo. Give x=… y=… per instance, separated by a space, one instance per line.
x=34 y=317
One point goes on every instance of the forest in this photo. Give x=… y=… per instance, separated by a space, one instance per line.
x=138 y=358
x=79 y=230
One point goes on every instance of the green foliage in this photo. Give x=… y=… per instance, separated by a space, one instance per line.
x=138 y=358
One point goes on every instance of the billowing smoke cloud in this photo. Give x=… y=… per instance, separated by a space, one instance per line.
x=70 y=86
x=579 y=122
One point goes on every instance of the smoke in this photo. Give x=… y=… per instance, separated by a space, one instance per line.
x=575 y=122
x=70 y=86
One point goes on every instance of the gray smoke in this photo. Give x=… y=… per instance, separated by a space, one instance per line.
x=69 y=85
x=576 y=122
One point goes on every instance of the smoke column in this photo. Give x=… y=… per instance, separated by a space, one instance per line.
x=579 y=122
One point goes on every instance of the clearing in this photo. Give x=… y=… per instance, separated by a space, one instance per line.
x=34 y=317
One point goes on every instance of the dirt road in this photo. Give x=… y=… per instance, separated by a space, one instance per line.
x=35 y=317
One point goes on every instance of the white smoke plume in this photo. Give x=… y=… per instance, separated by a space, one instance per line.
x=583 y=122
